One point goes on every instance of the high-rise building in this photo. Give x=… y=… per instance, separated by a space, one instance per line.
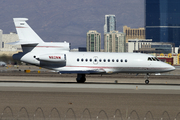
x=162 y=21
x=93 y=41
x=1 y=32
x=137 y=44
x=134 y=33
x=6 y=48
x=114 y=41
x=110 y=23
x=147 y=46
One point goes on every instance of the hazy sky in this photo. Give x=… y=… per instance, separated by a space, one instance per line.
x=70 y=20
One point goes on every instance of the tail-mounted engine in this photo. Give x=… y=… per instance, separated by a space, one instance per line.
x=52 y=57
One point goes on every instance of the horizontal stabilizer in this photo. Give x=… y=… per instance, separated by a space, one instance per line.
x=22 y=43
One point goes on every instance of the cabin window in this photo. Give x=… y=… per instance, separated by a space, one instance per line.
x=104 y=60
x=117 y=60
x=121 y=60
x=90 y=60
x=86 y=60
x=100 y=60
x=95 y=60
x=78 y=59
x=108 y=60
x=82 y=60
x=125 y=60
x=112 y=60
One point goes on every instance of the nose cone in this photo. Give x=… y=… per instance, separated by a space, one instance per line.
x=170 y=67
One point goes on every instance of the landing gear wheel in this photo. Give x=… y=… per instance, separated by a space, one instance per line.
x=147 y=81
x=81 y=78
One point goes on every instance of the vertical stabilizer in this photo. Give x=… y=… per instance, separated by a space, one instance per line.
x=25 y=32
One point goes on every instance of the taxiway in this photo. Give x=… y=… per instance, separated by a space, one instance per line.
x=39 y=94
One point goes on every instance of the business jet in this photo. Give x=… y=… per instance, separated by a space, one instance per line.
x=57 y=56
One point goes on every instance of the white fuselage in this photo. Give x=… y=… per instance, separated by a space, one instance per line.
x=115 y=62
x=103 y=62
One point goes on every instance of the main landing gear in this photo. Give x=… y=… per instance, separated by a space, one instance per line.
x=147 y=78
x=81 y=78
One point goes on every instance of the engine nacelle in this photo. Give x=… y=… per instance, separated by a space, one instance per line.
x=52 y=57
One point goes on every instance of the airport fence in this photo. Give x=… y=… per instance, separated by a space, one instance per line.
x=23 y=114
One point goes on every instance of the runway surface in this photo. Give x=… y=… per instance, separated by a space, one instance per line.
x=90 y=88
x=54 y=96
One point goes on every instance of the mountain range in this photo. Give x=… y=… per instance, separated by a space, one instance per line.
x=70 y=20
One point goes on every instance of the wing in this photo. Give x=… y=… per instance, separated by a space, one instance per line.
x=81 y=70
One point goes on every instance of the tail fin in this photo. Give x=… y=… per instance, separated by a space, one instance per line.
x=25 y=32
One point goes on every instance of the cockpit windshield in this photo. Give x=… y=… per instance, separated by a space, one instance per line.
x=153 y=59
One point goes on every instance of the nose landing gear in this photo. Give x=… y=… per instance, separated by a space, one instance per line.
x=147 y=78
x=147 y=81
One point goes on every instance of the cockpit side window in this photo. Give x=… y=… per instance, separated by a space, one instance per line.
x=153 y=59
x=149 y=59
x=156 y=58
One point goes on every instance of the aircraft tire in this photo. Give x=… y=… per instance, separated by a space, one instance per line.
x=81 y=81
x=81 y=78
x=147 y=81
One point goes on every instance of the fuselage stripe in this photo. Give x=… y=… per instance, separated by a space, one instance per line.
x=98 y=67
x=20 y=27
